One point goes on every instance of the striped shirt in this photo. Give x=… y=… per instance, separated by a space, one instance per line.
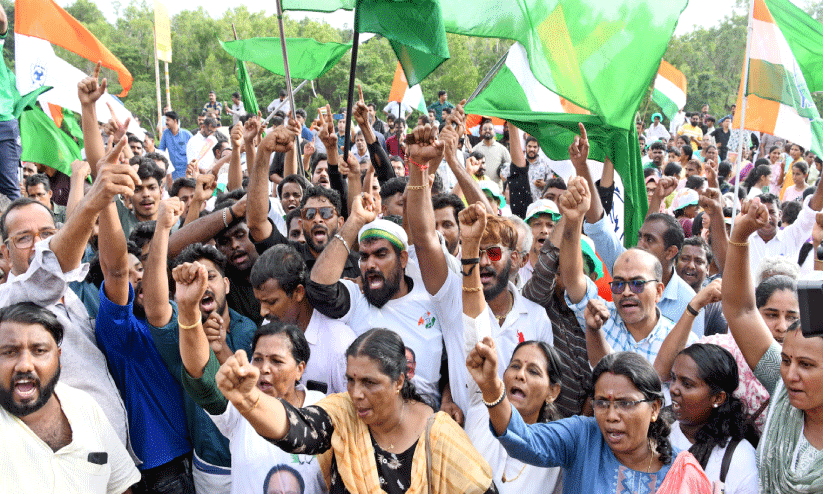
x=618 y=336
x=569 y=335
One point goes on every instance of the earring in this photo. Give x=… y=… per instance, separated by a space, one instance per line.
x=715 y=405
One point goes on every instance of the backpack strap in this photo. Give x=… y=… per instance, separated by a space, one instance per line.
x=727 y=458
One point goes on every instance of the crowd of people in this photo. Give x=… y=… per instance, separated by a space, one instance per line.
x=258 y=308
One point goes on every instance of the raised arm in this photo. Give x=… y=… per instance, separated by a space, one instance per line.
x=482 y=365
x=466 y=184
x=203 y=189
x=290 y=161
x=205 y=228
x=89 y=91
x=578 y=154
x=155 y=276
x=426 y=147
x=472 y=225
x=80 y=170
x=745 y=322
x=257 y=212
x=573 y=205
x=114 y=256
x=379 y=158
x=710 y=202
x=540 y=287
x=235 y=169
x=191 y=281
x=665 y=186
x=329 y=266
x=678 y=337
x=114 y=178
x=518 y=158
x=237 y=380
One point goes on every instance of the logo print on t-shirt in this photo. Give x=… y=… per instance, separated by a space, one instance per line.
x=426 y=320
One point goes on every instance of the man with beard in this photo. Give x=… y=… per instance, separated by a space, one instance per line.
x=446 y=209
x=693 y=266
x=153 y=398
x=389 y=298
x=320 y=209
x=513 y=319
x=495 y=153
x=226 y=329
x=43 y=262
x=692 y=131
x=279 y=278
x=56 y=438
x=632 y=322
x=537 y=170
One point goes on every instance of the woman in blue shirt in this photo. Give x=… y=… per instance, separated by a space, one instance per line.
x=624 y=448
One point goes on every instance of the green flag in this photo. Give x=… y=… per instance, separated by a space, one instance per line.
x=514 y=94
x=246 y=89
x=73 y=128
x=308 y=59
x=414 y=29
x=600 y=55
x=804 y=36
x=43 y=142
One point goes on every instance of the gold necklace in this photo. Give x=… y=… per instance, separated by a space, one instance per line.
x=651 y=457
x=504 y=479
x=511 y=304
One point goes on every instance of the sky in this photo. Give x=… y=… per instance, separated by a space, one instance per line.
x=704 y=13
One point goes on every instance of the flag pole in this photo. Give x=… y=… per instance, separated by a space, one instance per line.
x=157 y=80
x=288 y=78
x=749 y=31
x=350 y=96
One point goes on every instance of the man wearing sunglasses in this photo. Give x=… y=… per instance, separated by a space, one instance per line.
x=660 y=235
x=632 y=322
x=320 y=213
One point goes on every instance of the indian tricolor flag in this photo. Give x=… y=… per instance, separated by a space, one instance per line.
x=778 y=100
x=38 y=26
x=409 y=98
x=669 y=89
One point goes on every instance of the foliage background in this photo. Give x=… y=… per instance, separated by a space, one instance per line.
x=711 y=59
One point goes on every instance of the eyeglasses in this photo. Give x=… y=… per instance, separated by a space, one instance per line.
x=326 y=212
x=636 y=286
x=619 y=405
x=495 y=253
x=27 y=239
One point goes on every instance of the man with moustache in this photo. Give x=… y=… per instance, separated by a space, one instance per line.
x=226 y=329
x=45 y=260
x=389 y=298
x=320 y=210
x=153 y=398
x=632 y=322
x=56 y=438
x=146 y=196
x=495 y=153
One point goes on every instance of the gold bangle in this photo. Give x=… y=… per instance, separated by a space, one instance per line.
x=739 y=244
x=417 y=187
x=255 y=404
x=184 y=327
x=472 y=288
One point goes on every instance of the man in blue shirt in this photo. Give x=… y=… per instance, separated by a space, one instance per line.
x=228 y=331
x=174 y=140
x=153 y=398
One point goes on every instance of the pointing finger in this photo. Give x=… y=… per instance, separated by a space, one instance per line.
x=96 y=73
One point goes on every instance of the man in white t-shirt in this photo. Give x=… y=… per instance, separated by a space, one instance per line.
x=388 y=299
x=57 y=438
x=513 y=319
x=279 y=278
x=495 y=153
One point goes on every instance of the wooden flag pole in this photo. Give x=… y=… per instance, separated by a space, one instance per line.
x=288 y=79
x=350 y=96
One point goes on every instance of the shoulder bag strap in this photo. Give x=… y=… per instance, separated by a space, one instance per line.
x=727 y=459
